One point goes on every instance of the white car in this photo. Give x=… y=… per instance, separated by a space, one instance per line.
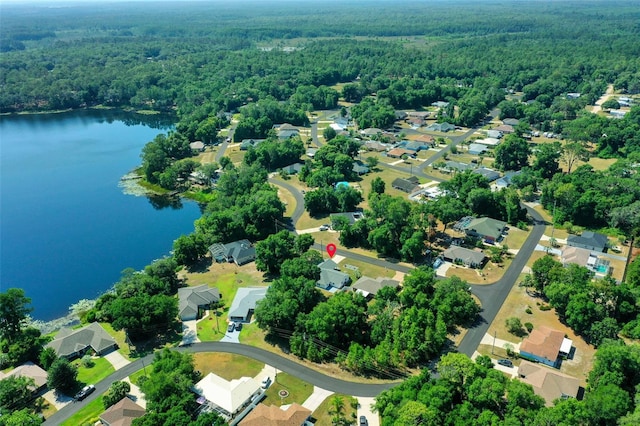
x=266 y=382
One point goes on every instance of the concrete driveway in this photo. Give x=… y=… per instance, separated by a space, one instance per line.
x=231 y=337
x=364 y=409
x=316 y=398
x=116 y=359
x=189 y=332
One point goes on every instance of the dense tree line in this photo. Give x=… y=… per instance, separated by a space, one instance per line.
x=474 y=390
x=400 y=329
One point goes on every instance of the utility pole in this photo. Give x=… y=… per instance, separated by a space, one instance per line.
x=494 y=341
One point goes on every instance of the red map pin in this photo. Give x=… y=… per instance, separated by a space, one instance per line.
x=331 y=249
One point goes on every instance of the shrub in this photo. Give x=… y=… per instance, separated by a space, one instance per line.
x=514 y=326
x=529 y=311
x=87 y=362
x=545 y=307
x=528 y=326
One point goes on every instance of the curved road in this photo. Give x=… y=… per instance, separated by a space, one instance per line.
x=299 y=210
x=279 y=362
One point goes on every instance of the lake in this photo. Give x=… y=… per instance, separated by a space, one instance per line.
x=67 y=229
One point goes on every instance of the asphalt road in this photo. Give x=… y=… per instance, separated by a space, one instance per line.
x=493 y=296
x=378 y=262
x=279 y=362
x=299 y=210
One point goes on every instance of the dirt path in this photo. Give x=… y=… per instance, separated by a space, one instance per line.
x=604 y=98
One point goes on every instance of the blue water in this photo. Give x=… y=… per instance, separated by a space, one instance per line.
x=66 y=229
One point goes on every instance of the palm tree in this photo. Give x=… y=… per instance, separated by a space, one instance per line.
x=337 y=411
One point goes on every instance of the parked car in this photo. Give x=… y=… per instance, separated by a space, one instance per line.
x=364 y=421
x=324 y=227
x=231 y=328
x=437 y=263
x=84 y=392
x=505 y=362
x=266 y=382
x=238 y=325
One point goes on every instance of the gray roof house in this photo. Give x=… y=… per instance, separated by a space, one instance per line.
x=405 y=185
x=244 y=303
x=505 y=180
x=330 y=276
x=192 y=299
x=360 y=168
x=351 y=217
x=494 y=134
x=477 y=149
x=441 y=127
x=250 y=143
x=470 y=258
x=489 y=174
x=369 y=286
x=490 y=230
x=239 y=252
x=286 y=130
x=292 y=169
x=73 y=343
x=588 y=240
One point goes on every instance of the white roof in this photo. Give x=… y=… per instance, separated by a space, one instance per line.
x=488 y=141
x=565 y=347
x=229 y=396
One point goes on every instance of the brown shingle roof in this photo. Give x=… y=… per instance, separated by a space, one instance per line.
x=543 y=342
x=271 y=415
x=122 y=413
x=548 y=383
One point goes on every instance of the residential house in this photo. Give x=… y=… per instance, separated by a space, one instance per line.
x=440 y=104
x=311 y=152
x=505 y=129
x=400 y=115
x=197 y=146
x=399 y=152
x=426 y=139
x=477 y=149
x=548 y=384
x=455 y=165
x=250 y=143
x=415 y=122
x=359 y=168
x=441 y=127
x=495 y=134
x=75 y=343
x=408 y=185
x=122 y=413
x=272 y=415
x=227 y=397
x=415 y=146
x=370 y=131
x=586 y=258
x=29 y=370
x=618 y=113
x=488 y=141
x=193 y=300
x=330 y=276
x=292 y=169
x=511 y=122
x=573 y=95
x=546 y=345
x=505 y=181
x=350 y=217
x=489 y=174
x=488 y=229
x=240 y=252
x=589 y=240
x=470 y=258
x=375 y=146
x=286 y=131
x=244 y=303
x=370 y=286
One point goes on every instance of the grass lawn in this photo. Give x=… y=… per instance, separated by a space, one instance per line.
x=119 y=336
x=515 y=237
x=88 y=415
x=287 y=198
x=365 y=269
x=227 y=366
x=100 y=370
x=322 y=416
x=516 y=305
x=487 y=275
x=136 y=376
x=298 y=390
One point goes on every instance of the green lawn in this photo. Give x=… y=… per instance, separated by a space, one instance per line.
x=298 y=390
x=87 y=416
x=228 y=366
x=100 y=370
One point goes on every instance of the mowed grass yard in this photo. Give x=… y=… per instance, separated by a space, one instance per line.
x=298 y=390
x=88 y=416
x=228 y=366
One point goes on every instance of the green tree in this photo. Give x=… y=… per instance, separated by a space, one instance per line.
x=377 y=185
x=547 y=161
x=514 y=326
x=329 y=133
x=61 y=376
x=275 y=249
x=188 y=249
x=22 y=417
x=542 y=271
x=47 y=357
x=15 y=392
x=512 y=154
x=13 y=313
x=573 y=152
x=116 y=392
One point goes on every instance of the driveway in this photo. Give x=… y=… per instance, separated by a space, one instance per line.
x=58 y=401
x=116 y=359
x=231 y=337
x=189 y=332
x=136 y=395
x=364 y=409
x=316 y=398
